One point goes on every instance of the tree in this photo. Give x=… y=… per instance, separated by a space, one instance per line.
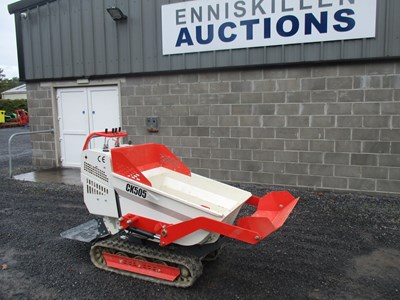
x=1 y=74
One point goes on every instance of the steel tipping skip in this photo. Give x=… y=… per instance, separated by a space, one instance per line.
x=158 y=221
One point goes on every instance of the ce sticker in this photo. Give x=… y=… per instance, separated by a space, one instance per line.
x=101 y=159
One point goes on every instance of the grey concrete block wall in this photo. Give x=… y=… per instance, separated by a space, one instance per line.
x=324 y=127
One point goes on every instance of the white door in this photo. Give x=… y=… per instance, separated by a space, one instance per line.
x=82 y=111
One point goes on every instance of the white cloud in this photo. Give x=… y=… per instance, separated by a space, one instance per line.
x=8 y=42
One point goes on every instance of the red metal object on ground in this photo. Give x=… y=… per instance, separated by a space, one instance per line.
x=138 y=266
x=21 y=119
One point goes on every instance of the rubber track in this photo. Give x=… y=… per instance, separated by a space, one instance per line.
x=115 y=244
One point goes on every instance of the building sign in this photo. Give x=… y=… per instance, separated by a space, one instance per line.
x=209 y=25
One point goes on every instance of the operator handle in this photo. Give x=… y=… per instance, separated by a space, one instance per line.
x=114 y=134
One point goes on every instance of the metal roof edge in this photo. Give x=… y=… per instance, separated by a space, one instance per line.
x=25 y=4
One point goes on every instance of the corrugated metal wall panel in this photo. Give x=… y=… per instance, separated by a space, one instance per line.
x=76 y=38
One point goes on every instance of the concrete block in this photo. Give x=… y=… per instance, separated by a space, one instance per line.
x=253 y=144
x=189 y=99
x=296 y=145
x=220 y=87
x=262 y=155
x=273 y=144
x=230 y=164
x=285 y=179
x=212 y=164
x=322 y=146
x=134 y=101
x=264 y=86
x=351 y=96
x=389 y=161
x=287 y=156
x=273 y=167
x=392 y=135
x=311 y=157
x=348 y=171
x=396 y=122
x=198 y=110
x=349 y=121
x=274 y=97
x=274 y=121
x=365 y=134
x=275 y=73
x=351 y=70
x=251 y=75
x=377 y=121
x=160 y=89
x=364 y=159
x=390 y=108
x=263 y=133
x=296 y=168
x=180 y=131
x=188 y=78
x=324 y=96
x=312 y=133
x=201 y=172
x=254 y=166
x=298 y=121
x=180 y=110
x=335 y=182
x=144 y=90
x=229 y=143
x=242 y=87
x=287 y=133
x=200 y=131
x=298 y=72
x=380 y=68
x=228 y=120
x=208 y=77
x=309 y=181
x=189 y=121
x=313 y=84
x=362 y=184
x=323 y=121
x=376 y=147
x=250 y=98
x=380 y=95
x=219 y=132
x=288 y=84
x=241 y=154
x=262 y=178
x=220 y=175
x=198 y=88
x=287 y=109
x=347 y=146
x=205 y=99
x=396 y=95
x=394 y=173
x=229 y=98
x=337 y=134
x=220 y=110
x=298 y=97
x=389 y=186
x=325 y=71
x=209 y=142
x=169 y=79
x=263 y=109
x=241 y=176
x=312 y=109
x=337 y=158
x=375 y=172
x=220 y=153
x=229 y=76
x=252 y=121
x=395 y=149
x=321 y=170
x=201 y=153
x=340 y=83
x=245 y=110
x=339 y=108
x=368 y=82
x=240 y=132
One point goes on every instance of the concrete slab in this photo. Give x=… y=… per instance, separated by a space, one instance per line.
x=71 y=176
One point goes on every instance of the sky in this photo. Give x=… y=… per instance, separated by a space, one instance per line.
x=8 y=44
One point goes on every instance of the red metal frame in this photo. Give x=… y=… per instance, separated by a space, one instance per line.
x=103 y=134
x=141 y=267
x=272 y=211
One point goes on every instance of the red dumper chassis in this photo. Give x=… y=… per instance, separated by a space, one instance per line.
x=158 y=221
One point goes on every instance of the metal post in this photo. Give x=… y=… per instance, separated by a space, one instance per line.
x=9 y=145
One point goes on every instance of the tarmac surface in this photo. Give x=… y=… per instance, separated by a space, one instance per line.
x=333 y=246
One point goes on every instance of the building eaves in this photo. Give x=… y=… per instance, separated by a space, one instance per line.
x=26 y=4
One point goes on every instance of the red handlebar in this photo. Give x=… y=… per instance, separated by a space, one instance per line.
x=103 y=134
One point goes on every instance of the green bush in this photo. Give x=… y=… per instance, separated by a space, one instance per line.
x=11 y=105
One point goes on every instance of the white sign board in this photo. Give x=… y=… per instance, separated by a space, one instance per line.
x=209 y=25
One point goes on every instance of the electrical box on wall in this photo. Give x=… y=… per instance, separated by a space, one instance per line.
x=152 y=124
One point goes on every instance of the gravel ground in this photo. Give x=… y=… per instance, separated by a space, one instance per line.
x=333 y=246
